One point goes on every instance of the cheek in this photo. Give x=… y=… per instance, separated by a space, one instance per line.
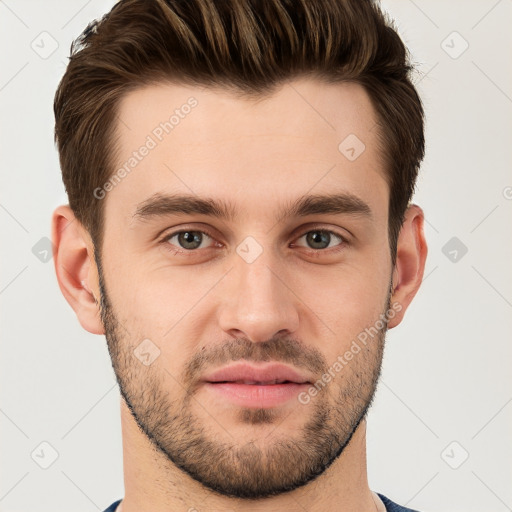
x=350 y=298
x=167 y=305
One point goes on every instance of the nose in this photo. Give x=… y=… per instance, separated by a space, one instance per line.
x=258 y=301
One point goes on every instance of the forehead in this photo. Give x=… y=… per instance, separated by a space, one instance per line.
x=306 y=136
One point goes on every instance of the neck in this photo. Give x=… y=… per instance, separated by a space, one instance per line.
x=152 y=482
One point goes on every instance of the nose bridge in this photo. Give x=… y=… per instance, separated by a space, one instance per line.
x=260 y=281
x=260 y=304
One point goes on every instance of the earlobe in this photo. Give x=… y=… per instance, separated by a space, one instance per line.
x=75 y=268
x=410 y=262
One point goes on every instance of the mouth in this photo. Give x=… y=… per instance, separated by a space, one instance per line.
x=256 y=386
x=254 y=382
x=263 y=375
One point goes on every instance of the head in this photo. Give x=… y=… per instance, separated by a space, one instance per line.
x=241 y=175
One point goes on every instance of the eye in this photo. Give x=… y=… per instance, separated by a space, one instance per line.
x=187 y=240
x=190 y=240
x=322 y=239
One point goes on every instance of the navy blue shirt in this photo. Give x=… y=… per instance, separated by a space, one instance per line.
x=391 y=506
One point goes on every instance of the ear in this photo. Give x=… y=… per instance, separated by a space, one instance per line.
x=75 y=267
x=410 y=262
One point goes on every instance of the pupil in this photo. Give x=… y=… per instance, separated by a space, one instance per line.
x=188 y=238
x=318 y=237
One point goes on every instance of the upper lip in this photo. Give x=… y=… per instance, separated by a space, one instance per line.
x=269 y=373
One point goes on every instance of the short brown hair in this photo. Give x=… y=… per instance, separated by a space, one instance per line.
x=246 y=46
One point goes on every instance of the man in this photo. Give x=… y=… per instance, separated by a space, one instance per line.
x=239 y=227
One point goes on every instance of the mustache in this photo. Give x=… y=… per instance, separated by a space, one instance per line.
x=279 y=350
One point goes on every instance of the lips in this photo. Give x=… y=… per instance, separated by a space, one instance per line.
x=263 y=375
x=259 y=383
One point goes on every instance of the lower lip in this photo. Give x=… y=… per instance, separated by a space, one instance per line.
x=253 y=395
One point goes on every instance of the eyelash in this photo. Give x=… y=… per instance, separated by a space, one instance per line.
x=315 y=252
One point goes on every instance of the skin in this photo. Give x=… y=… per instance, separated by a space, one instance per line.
x=185 y=449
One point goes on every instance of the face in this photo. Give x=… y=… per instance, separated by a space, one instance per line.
x=284 y=276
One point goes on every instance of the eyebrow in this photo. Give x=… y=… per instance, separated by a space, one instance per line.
x=161 y=205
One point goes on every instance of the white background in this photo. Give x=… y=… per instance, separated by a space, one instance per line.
x=446 y=371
